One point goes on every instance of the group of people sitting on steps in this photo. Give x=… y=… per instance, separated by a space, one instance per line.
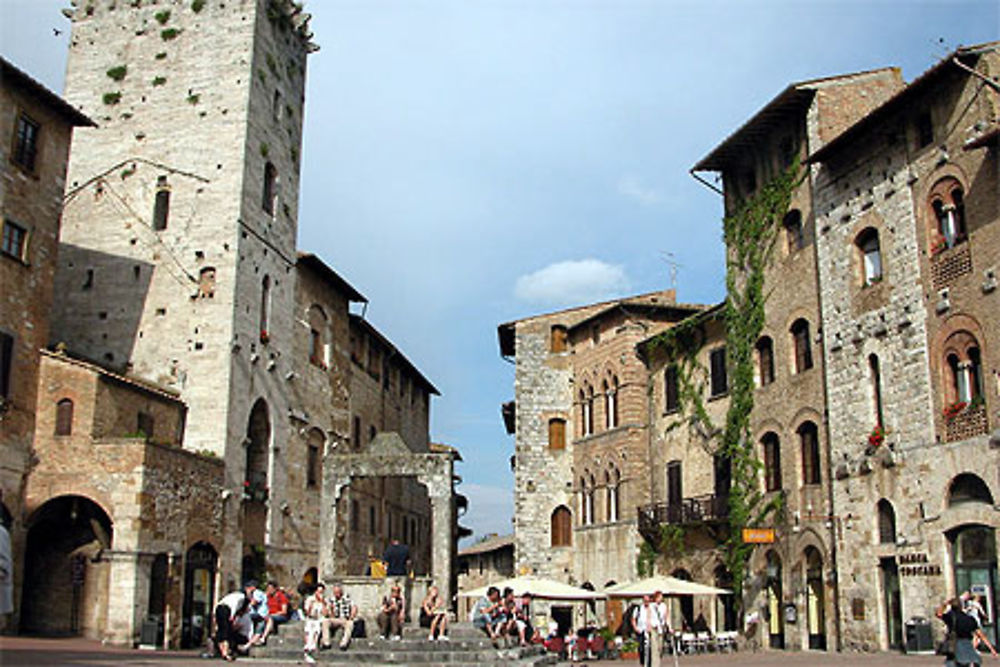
x=246 y=618
x=504 y=616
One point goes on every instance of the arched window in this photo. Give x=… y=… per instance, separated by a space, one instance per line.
x=557 y=433
x=588 y=427
x=265 y=308
x=612 y=480
x=947 y=202
x=64 y=417
x=802 y=345
x=582 y=397
x=772 y=461
x=870 y=253
x=765 y=361
x=562 y=533
x=968 y=488
x=558 y=338
x=964 y=364
x=591 y=490
x=875 y=378
x=583 y=501
x=794 y=234
x=606 y=392
x=809 y=442
x=612 y=403
x=270 y=192
x=886 y=522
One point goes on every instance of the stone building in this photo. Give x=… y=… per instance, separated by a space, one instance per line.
x=487 y=561
x=123 y=518
x=908 y=251
x=39 y=126
x=580 y=422
x=180 y=281
x=792 y=580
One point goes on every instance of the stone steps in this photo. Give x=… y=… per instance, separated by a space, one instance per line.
x=467 y=646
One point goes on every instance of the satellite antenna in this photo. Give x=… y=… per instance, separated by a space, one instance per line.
x=668 y=259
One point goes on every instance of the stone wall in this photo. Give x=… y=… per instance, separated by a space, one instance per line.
x=205 y=303
x=32 y=199
x=882 y=179
x=158 y=497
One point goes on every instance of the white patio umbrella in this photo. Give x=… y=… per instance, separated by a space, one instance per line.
x=664 y=584
x=544 y=589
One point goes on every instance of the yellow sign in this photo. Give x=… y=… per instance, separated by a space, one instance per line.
x=758 y=535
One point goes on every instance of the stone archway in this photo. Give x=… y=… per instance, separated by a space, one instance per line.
x=388 y=456
x=66 y=578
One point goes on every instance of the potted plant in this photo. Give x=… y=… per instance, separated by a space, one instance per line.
x=630 y=649
x=954 y=410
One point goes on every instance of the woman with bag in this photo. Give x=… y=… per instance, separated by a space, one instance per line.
x=958 y=648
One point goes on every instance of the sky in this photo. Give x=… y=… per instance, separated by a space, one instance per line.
x=471 y=162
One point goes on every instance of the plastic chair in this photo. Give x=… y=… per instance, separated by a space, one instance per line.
x=596 y=646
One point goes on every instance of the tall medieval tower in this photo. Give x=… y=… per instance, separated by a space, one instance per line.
x=178 y=236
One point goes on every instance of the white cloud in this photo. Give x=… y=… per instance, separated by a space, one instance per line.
x=490 y=509
x=572 y=282
x=630 y=186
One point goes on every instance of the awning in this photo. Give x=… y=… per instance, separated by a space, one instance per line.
x=665 y=585
x=544 y=589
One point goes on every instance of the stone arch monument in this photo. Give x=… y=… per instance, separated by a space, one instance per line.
x=388 y=456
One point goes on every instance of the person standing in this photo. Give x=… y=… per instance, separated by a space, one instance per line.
x=397 y=559
x=647 y=624
x=959 y=651
x=660 y=628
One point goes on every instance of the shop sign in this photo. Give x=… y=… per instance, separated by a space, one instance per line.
x=758 y=536
x=917 y=565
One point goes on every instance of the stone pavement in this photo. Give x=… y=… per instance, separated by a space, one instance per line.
x=75 y=651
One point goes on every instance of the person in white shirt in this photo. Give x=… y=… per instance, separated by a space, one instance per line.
x=647 y=623
x=226 y=611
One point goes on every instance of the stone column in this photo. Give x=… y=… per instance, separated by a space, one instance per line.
x=329 y=560
x=126 y=603
x=441 y=515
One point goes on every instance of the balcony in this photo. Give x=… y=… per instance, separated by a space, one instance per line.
x=706 y=509
x=968 y=423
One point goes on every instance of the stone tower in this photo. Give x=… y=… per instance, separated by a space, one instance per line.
x=178 y=242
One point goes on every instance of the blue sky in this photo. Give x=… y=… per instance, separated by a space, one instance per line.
x=471 y=162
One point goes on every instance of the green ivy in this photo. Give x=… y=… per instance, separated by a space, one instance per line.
x=159 y=81
x=162 y=17
x=117 y=73
x=168 y=34
x=751 y=235
x=193 y=98
x=197 y=6
x=112 y=98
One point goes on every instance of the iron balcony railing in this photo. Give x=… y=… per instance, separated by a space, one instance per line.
x=708 y=508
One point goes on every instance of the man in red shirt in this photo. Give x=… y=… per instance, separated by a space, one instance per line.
x=277 y=609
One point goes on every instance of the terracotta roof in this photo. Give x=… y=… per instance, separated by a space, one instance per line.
x=12 y=76
x=493 y=543
x=795 y=99
x=441 y=448
x=142 y=385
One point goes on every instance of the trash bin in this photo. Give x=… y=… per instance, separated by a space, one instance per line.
x=918 y=636
x=151 y=632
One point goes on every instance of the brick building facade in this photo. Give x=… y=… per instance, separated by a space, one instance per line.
x=37 y=125
x=580 y=421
